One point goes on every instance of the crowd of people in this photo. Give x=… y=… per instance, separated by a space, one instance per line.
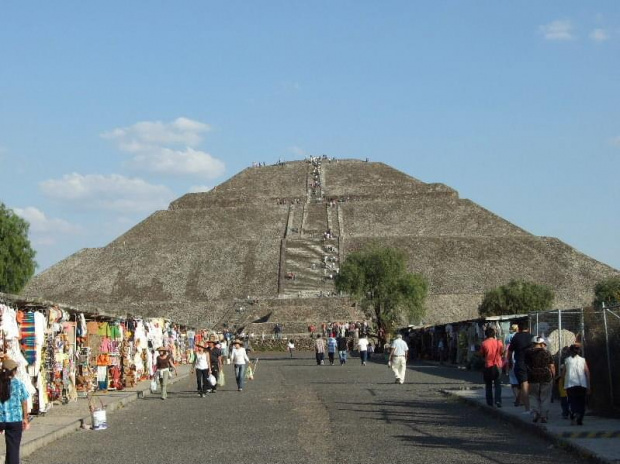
x=533 y=374
x=207 y=356
x=343 y=343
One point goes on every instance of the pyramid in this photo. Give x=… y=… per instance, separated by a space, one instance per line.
x=254 y=250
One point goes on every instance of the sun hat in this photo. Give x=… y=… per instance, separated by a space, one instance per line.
x=9 y=364
x=237 y=342
x=539 y=341
x=162 y=348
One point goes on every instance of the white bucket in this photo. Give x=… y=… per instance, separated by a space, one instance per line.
x=100 y=420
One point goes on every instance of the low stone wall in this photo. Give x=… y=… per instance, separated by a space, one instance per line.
x=301 y=344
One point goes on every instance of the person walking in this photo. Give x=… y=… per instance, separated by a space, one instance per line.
x=215 y=363
x=164 y=365
x=13 y=410
x=512 y=378
x=398 y=358
x=319 y=350
x=331 y=349
x=342 y=349
x=240 y=360
x=201 y=366
x=577 y=383
x=492 y=350
x=541 y=372
x=362 y=345
x=519 y=344
x=291 y=347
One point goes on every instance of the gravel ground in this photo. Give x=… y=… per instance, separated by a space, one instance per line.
x=298 y=412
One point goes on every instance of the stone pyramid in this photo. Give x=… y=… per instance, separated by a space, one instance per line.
x=254 y=249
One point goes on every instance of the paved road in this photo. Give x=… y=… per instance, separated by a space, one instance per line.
x=297 y=412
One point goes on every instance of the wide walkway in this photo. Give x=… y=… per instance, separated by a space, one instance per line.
x=298 y=412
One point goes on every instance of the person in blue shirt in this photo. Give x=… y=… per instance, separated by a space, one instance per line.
x=331 y=349
x=13 y=409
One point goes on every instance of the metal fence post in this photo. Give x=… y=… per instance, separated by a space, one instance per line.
x=561 y=342
x=611 y=385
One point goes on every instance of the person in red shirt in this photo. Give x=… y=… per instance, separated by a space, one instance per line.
x=492 y=350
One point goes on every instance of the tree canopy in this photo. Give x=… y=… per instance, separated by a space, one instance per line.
x=17 y=263
x=517 y=297
x=607 y=291
x=377 y=276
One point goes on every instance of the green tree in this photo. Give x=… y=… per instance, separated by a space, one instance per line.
x=517 y=297
x=17 y=263
x=377 y=277
x=607 y=291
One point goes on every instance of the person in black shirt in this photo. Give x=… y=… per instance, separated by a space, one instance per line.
x=541 y=371
x=519 y=344
x=216 y=362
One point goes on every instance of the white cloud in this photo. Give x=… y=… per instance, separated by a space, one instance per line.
x=113 y=192
x=40 y=223
x=200 y=188
x=146 y=134
x=167 y=148
x=187 y=162
x=599 y=35
x=560 y=29
x=46 y=231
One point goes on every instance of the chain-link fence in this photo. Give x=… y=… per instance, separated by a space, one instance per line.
x=598 y=331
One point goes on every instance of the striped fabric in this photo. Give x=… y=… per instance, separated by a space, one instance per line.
x=28 y=341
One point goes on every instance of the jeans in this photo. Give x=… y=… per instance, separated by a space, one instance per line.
x=12 y=438
x=320 y=357
x=330 y=355
x=240 y=374
x=202 y=376
x=492 y=381
x=363 y=356
x=342 y=354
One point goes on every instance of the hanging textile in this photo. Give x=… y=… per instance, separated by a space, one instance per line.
x=28 y=338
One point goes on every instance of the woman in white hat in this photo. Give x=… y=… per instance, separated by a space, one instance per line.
x=13 y=409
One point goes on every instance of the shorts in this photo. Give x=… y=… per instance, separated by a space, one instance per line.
x=520 y=374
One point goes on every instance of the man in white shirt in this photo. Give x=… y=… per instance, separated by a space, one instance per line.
x=398 y=358
x=362 y=344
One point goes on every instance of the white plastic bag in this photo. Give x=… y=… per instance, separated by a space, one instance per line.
x=212 y=380
x=154 y=384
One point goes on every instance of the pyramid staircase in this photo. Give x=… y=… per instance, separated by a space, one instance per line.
x=309 y=259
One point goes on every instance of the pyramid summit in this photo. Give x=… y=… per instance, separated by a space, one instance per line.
x=274 y=236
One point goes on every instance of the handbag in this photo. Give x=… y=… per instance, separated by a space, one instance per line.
x=212 y=380
x=221 y=379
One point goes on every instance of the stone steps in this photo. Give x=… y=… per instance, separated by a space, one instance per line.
x=304 y=259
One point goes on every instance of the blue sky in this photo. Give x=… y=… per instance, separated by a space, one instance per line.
x=110 y=110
